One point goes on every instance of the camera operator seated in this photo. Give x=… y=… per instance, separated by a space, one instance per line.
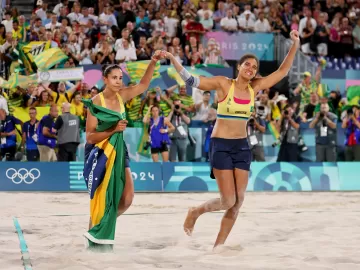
x=256 y=128
x=325 y=134
x=179 y=138
x=289 y=136
x=352 y=125
x=159 y=128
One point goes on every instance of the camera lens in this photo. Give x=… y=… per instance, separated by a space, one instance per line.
x=322 y=114
x=177 y=107
x=286 y=113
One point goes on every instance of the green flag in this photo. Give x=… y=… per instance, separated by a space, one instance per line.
x=104 y=174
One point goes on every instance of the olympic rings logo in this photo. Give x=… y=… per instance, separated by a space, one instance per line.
x=22 y=175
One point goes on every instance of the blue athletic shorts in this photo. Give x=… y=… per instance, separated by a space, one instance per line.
x=228 y=154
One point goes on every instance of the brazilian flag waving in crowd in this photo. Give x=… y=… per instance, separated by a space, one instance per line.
x=104 y=173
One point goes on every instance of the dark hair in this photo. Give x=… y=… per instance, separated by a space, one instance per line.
x=206 y=92
x=32 y=109
x=249 y=56
x=106 y=69
x=155 y=106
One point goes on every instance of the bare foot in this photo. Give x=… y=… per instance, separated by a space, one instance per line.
x=190 y=221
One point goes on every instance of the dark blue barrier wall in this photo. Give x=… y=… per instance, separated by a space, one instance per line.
x=34 y=176
x=184 y=176
x=147 y=176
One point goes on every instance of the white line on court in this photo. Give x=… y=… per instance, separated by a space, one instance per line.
x=25 y=256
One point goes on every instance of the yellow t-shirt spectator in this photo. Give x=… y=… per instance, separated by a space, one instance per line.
x=59 y=98
x=79 y=108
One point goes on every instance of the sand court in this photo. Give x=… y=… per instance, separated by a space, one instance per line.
x=274 y=231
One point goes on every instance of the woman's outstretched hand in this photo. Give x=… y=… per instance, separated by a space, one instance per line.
x=158 y=55
x=295 y=37
x=168 y=55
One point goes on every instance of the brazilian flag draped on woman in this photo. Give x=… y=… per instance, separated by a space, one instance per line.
x=104 y=173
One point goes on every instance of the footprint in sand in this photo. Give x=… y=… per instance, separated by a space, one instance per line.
x=151 y=245
x=167 y=265
x=32 y=231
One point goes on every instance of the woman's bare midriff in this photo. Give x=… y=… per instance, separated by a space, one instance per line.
x=229 y=129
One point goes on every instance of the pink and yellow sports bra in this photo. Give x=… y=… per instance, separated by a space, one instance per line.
x=234 y=108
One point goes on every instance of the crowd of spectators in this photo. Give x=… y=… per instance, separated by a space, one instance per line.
x=106 y=32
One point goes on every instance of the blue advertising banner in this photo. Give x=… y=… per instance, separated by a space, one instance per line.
x=233 y=46
x=184 y=176
x=146 y=176
x=34 y=176
x=188 y=176
x=267 y=176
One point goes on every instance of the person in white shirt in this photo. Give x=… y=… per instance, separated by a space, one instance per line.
x=246 y=24
x=229 y=24
x=93 y=16
x=302 y=23
x=205 y=8
x=203 y=108
x=8 y=23
x=197 y=95
x=157 y=25
x=247 y=11
x=73 y=45
x=125 y=35
x=53 y=24
x=86 y=16
x=3 y=104
x=171 y=24
x=106 y=20
x=126 y=53
x=86 y=53
x=207 y=22
x=41 y=12
x=262 y=24
x=76 y=15
x=63 y=3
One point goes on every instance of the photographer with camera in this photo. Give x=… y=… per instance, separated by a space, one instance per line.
x=352 y=125
x=159 y=129
x=179 y=138
x=289 y=136
x=325 y=134
x=255 y=129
